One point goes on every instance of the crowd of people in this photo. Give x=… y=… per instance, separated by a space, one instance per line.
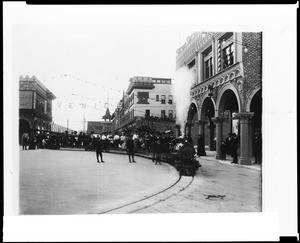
x=155 y=143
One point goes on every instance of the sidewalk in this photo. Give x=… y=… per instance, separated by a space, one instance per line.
x=210 y=156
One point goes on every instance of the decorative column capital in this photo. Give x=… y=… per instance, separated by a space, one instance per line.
x=244 y=115
x=218 y=119
x=200 y=122
x=189 y=124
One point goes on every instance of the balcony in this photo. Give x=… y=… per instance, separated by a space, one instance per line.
x=140 y=85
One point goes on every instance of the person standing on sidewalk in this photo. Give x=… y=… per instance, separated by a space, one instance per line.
x=98 y=145
x=234 y=148
x=25 y=139
x=157 y=149
x=116 y=141
x=257 y=147
x=130 y=149
x=223 y=150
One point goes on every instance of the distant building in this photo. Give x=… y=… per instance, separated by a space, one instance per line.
x=35 y=106
x=100 y=127
x=148 y=102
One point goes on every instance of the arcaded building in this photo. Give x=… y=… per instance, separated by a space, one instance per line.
x=226 y=96
x=35 y=105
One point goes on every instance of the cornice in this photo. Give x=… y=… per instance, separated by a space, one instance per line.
x=195 y=43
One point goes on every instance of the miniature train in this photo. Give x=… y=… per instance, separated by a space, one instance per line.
x=182 y=156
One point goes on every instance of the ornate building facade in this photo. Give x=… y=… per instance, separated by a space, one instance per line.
x=35 y=106
x=227 y=93
x=148 y=103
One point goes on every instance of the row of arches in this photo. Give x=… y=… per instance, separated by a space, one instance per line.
x=26 y=125
x=203 y=117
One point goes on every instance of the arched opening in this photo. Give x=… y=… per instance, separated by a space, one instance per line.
x=256 y=107
x=24 y=126
x=192 y=123
x=208 y=132
x=256 y=121
x=227 y=109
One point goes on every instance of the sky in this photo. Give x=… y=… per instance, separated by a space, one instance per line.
x=87 y=67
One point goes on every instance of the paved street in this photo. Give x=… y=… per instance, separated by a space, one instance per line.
x=71 y=182
x=216 y=188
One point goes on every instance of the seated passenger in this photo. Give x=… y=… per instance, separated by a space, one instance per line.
x=187 y=151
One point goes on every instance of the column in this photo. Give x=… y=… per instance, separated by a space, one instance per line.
x=201 y=132
x=188 y=128
x=219 y=134
x=201 y=126
x=244 y=137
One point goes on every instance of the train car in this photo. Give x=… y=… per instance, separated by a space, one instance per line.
x=182 y=156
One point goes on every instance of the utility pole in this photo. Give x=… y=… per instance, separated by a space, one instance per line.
x=67 y=125
x=83 y=124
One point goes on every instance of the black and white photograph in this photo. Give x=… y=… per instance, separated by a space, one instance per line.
x=117 y=115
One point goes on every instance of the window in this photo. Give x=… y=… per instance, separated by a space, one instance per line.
x=147 y=113
x=208 y=67
x=163 y=113
x=170 y=99
x=157 y=97
x=191 y=64
x=163 y=99
x=227 y=56
x=227 y=51
x=170 y=114
x=143 y=97
x=131 y=99
x=208 y=63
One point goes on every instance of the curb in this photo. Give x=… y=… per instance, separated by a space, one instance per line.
x=198 y=158
x=230 y=164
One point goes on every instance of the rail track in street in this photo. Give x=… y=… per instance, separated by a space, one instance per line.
x=180 y=185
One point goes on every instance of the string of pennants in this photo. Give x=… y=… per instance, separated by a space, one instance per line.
x=98 y=99
x=85 y=81
x=81 y=96
x=94 y=84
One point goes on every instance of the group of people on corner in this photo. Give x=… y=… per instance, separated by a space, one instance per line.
x=230 y=146
x=33 y=141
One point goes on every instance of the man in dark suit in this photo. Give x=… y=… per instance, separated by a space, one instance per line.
x=257 y=146
x=201 y=146
x=130 y=149
x=233 y=148
x=98 y=145
x=157 y=149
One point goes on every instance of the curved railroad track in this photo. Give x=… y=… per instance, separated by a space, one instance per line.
x=180 y=185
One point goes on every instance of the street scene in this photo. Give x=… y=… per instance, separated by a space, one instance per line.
x=187 y=142
x=149 y=122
